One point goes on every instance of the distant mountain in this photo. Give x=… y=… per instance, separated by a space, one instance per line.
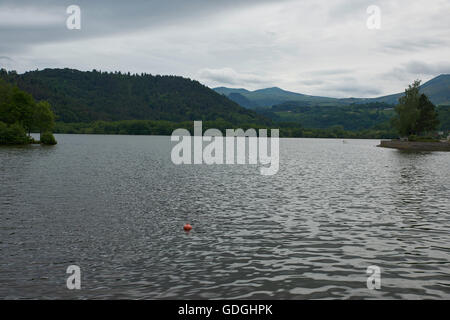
x=437 y=89
x=242 y=100
x=227 y=91
x=78 y=96
x=272 y=96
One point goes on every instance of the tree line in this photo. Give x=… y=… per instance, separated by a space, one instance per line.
x=78 y=96
x=161 y=127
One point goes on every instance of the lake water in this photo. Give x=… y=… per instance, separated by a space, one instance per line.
x=116 y=206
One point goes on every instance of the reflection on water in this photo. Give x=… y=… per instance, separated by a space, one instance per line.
x=115 y=206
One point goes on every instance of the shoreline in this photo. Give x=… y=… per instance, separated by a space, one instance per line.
x=169 y=135
x=415 y=145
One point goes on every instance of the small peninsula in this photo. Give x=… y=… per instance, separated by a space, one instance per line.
x=416 y=122
x=20 y=115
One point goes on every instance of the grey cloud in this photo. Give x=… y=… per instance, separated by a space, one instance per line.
x=354 y=90
x=396 y=73
x=348 y=9
x=6 y=63
x=414 y=45
x=327 y=72
x=309 y=46
x=230 y=77
x=419 y=67
x=100 y=18
x=415 y=69
x=311 y=82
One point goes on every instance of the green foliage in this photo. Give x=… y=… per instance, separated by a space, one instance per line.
x=16 y=106
x=78 y=96
x=19 y=114
x=415 y=113
x=353 y=117
x=407 y=111
x=43 y=117
x=428 y=118
x=415 y=138
x=150 y=127
x=21 y=110
x=13 y=134
x=444 y=117
x=48 y=138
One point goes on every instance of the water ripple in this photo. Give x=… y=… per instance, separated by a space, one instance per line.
x=115 y=206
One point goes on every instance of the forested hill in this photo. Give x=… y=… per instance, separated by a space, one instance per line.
x=78 y=96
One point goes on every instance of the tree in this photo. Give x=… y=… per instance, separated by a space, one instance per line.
x=12 y=134
x=19 y=114
x=407 y=111
x=23 y=105
x=16 y=106
x=428 y=117
x=48 y=138
x=416 y=114
x=43 y=117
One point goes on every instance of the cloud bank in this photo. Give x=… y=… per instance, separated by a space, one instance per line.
x=308 y=46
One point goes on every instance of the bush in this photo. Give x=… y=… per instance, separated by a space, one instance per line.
x=422 y=138
x=13 y=134
x=31 y=140
x=48 y=138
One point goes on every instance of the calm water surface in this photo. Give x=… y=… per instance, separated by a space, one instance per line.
x=115 y=206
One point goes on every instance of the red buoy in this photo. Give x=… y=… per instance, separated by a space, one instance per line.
x=187 y=227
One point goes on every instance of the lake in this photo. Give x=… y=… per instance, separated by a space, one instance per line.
x=116 y=205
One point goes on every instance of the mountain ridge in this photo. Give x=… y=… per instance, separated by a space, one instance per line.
x=438 y=90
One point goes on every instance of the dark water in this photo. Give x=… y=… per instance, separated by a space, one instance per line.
x=115 y=206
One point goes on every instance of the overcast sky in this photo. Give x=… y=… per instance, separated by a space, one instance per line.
x=308 y=46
